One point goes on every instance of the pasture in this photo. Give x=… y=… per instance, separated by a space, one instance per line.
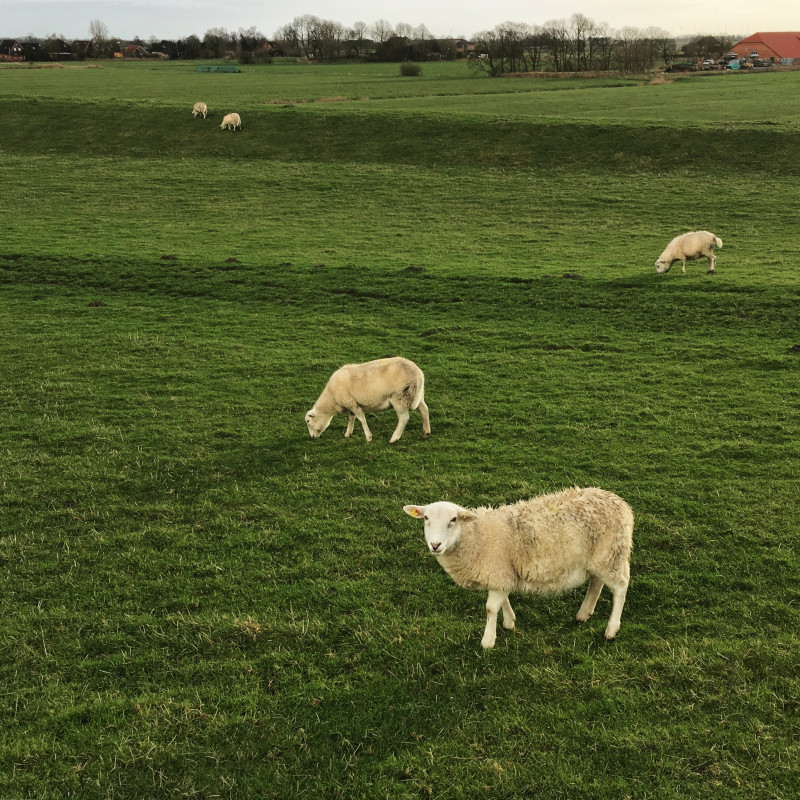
x=201 y=601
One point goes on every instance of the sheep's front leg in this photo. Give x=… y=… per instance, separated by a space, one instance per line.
x=359 y=412
x=712 y=262
x=351 y=418
x=494 y=602
x=683 y=267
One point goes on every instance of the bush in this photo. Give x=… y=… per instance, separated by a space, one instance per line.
x=409 y=68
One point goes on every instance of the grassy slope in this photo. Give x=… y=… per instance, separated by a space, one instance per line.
x=200 y=600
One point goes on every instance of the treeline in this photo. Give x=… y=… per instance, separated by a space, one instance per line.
x=580 y=44
x=574 y=45
x=577 y=44
x=310 y=37
x=246 y=45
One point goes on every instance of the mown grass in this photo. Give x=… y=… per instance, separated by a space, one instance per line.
x=200 y=600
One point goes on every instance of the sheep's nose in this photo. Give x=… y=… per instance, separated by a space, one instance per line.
x=435 y=547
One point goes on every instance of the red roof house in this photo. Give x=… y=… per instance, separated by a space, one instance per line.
x=770 y=47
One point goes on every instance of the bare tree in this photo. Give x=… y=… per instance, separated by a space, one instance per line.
x=98 y=33
x=503 y=49
x=382 y=30
x=559 y=43
x=404 y=30
x=358 y=35
x=328 y=39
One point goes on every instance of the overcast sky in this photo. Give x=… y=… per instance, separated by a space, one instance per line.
x=173 y=19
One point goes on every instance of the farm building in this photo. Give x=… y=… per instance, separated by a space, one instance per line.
x=11 y=50
x=781 y=48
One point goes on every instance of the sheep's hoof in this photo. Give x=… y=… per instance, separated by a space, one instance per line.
x=426 y=435
x=710 y=272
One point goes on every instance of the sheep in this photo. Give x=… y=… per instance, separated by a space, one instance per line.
x=546 y=544
x=231 y=122
x=372 y=386
x=689 y=247
x=200 y=108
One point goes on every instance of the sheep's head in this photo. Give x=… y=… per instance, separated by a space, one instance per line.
x=442 y=524
x=663 y=265
x=317 y=423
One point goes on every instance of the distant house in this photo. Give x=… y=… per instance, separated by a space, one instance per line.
x=11 y=50
x=135 y=51
x=775 y=47
x=463 y=48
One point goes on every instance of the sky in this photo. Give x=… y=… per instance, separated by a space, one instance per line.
x=174 y=19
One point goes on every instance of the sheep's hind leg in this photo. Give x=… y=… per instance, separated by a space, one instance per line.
x=359 y=412
x=402 y=421
x=508 y=616
x=712 y=262
x=426 y=420
x=494 y=602
x=590 y=601
x=619 y=591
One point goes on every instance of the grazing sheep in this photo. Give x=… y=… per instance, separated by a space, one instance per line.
x=373 y=386
x=200 y=108
x=689 y=247
x=231 y=122
x=547 y=544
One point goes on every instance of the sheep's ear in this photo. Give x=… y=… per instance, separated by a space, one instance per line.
x=414 y=511
x=465 y=515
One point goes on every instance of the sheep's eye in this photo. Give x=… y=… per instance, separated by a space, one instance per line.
x=453 y=521
x=425 y=518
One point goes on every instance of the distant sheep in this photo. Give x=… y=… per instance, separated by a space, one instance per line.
x=231 y=122
x=547 y=544
x=689 y=247
x=372 y=386
x=200 y=108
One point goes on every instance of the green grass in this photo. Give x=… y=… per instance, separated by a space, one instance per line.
x=201 y=601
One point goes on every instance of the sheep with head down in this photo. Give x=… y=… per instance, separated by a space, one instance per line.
x=689 y=247
x=372 y=386
x=551 y=543
x=231 y=122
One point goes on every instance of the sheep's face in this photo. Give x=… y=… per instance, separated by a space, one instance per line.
x=317 y=423
x=442 y=524
x=662 y=265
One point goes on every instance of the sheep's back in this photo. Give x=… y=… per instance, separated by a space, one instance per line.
x=372 y=383
x=551 y=543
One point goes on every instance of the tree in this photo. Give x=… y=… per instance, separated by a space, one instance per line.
x=559 y=44
x=98 y=33
x=506 y=48
x=251 y=41
x=217 y=42
x=703 y=47
x=382 y=30
x=601 y=47
x=190 y=47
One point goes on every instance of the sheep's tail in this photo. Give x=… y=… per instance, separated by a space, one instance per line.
x=416 y=392
x=718 y=241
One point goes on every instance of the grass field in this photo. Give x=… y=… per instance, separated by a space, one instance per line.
x=201 y=601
